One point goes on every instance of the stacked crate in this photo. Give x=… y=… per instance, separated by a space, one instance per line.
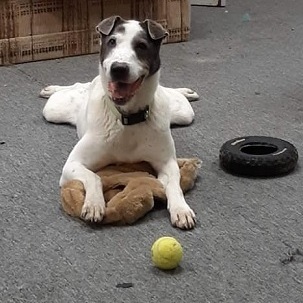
x=32 y=30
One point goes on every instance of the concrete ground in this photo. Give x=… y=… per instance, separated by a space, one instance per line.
x=246 y=63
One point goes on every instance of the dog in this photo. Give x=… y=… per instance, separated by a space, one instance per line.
x=124 y=115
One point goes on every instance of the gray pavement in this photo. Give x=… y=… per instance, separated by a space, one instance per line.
x=246 y=62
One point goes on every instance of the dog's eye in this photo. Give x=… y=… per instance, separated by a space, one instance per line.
x=141 y=46
x=111 y=42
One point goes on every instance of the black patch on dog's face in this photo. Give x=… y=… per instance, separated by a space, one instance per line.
x=109 y=42
x=147 y=51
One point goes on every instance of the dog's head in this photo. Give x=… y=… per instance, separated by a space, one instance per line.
x=129 y=55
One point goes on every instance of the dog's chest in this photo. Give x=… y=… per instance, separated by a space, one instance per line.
x=134 y=143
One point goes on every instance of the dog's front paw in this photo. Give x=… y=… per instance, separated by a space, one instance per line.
x=92 y=211
x=183 y=217
x=47 y=91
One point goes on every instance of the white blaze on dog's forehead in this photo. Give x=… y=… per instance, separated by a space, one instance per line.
x=132 y=29
x=124 y=51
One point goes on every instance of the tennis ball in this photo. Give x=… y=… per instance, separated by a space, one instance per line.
x=166 y=253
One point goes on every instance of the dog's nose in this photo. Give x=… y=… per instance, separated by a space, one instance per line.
x=119 y=71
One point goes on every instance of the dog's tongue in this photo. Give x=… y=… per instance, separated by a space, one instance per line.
x=120 y=90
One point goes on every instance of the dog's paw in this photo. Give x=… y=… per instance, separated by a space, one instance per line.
x=197 y=162
x=183 y=217
x=190 y=162
x=92 y=211
x=47 y=91
x=188 y=93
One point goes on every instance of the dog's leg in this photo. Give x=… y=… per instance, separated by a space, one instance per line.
x=64 y=105
x=181 y=214
x=188 y=93
x=181 y=112
x=94 y=204
x=47 y=91
x=80 y=165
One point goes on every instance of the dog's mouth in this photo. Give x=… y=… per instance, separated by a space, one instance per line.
x=122 y=92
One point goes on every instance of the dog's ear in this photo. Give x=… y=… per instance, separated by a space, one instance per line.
x=155 y=30
x=106 y=26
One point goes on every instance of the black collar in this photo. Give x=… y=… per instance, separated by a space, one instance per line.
x=138 y=117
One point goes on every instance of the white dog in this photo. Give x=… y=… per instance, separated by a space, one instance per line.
x=124 y=115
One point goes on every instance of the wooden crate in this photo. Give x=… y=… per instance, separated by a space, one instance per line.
x=4 y=52
x=208 y=2
x=32 y=30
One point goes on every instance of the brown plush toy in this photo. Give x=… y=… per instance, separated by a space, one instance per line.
x=129 y=190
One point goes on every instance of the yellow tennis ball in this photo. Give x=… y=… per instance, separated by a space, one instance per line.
x=166 y=253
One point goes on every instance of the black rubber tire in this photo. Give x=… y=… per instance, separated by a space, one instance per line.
x=258 y=156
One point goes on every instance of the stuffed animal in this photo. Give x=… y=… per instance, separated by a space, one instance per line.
x=129 y=190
